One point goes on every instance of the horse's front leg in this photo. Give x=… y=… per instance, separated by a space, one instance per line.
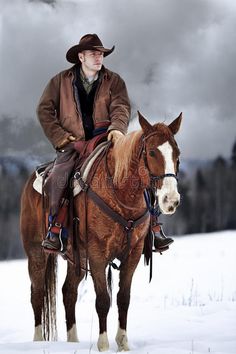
x=102 y=302
x=123 y=297
x=70 y=293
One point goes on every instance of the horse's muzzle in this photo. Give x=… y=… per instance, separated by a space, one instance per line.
x=169 y=202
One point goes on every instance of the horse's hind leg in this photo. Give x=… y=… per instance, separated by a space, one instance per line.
x=37 y=268
x=30 y=226
x=70 y=291
x=123 y=297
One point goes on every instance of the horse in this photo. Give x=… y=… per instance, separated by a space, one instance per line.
x=115 y=226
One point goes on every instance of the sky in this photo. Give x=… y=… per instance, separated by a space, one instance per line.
x=174 y=55
x=188 y=308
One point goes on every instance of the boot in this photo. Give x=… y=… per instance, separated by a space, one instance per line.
x=161 y=241
x=56 y=239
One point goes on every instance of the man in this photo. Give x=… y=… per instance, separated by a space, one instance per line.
x=77 y=104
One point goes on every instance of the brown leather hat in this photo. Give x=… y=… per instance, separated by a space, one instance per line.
x=87 y=42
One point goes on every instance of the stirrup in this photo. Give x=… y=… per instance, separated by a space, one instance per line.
x=60 y=239
x=49 y=236
x=162 y=233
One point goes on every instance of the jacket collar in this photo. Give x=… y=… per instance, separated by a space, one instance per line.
x=105 y=72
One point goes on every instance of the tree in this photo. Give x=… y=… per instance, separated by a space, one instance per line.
x=233 y=156
x=231 y=221
x=219 y=200
x=200 y=199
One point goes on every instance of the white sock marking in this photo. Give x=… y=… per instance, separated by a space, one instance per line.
x=103 y=344
x=38 y=334
x=122 y=340
x=72 y=334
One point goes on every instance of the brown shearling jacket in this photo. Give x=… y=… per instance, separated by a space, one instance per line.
x=59 y=110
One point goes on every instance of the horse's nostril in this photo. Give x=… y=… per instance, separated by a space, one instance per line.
x=176 y=203
x=165 y=199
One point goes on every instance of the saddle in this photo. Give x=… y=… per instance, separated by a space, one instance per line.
x=88 y=153
x=85 y=148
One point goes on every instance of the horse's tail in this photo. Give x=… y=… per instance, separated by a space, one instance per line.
x=49 y=302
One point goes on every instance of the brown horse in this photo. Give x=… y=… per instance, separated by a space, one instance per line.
x=148 y=156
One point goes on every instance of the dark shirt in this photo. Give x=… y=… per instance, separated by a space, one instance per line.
x=86 y=101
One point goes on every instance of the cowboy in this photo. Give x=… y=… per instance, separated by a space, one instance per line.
x=77 y=104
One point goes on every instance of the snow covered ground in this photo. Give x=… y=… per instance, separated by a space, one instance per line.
x=189 y=307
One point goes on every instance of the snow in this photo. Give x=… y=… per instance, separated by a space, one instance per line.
x=188 y=308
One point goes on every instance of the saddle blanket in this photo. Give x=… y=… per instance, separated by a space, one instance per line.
x=84 y=171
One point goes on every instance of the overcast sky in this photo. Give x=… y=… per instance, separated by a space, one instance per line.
x=175 y=55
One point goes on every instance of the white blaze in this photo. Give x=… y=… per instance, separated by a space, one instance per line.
x=167 y=151
x=169 y=189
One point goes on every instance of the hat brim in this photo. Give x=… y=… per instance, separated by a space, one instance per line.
x=72 y=54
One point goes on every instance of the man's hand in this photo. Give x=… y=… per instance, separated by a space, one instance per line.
x=72 y=138
x=114 y=135
x=66 y=141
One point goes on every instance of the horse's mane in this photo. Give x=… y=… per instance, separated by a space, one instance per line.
x=123 y=151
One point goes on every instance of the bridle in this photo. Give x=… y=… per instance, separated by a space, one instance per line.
x=143 y=151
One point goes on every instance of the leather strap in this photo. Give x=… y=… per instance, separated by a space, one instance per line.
x=128 y=224
x=61 y=217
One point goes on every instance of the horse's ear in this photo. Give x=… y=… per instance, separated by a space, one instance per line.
x=175 y=125
x=146 y=126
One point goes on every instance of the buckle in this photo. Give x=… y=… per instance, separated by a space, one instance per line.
x=129 y=226
x=77 y=175
x=84 y=186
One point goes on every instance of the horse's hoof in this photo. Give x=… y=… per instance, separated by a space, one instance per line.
x=103 y=344
x=122 y=341
x=72 y=334
x=38 y=336
x=123 y=348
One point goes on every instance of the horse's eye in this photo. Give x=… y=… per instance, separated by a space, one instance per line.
x=152 y=153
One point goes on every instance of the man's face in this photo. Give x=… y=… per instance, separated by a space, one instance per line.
x=91 y=60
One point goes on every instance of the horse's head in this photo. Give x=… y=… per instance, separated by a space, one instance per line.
x=161 y=158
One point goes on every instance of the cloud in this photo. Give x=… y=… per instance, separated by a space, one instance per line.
x=174 y=56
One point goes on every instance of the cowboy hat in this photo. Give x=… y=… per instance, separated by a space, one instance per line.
x=87 y=42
